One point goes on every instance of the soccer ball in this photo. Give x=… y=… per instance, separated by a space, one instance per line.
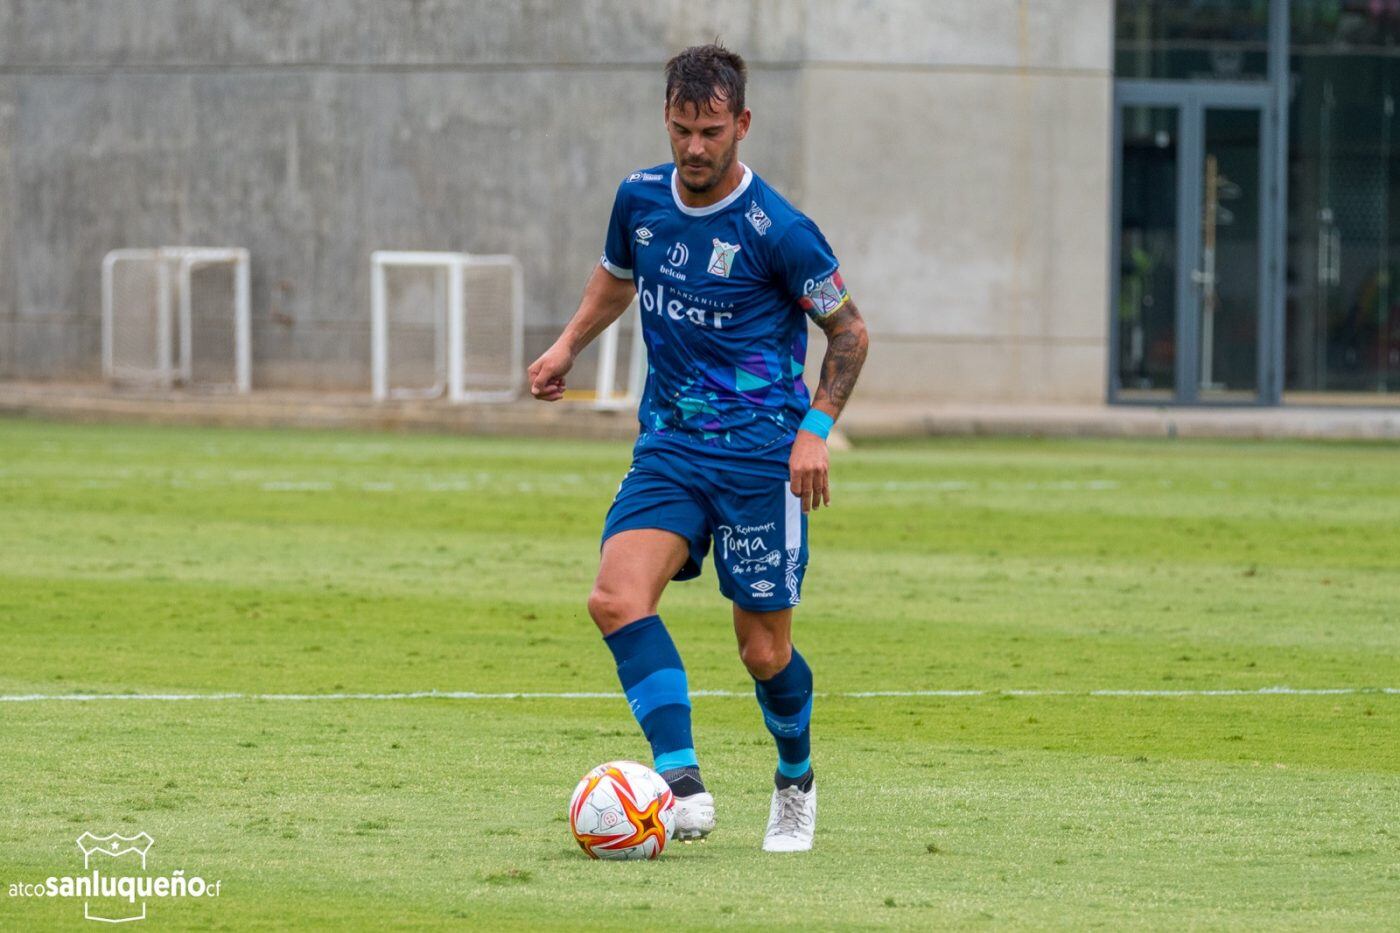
x=622 y=810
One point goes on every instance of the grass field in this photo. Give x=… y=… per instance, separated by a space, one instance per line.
x=158 y=561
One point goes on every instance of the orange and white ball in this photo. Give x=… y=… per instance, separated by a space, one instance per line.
x=622 y=810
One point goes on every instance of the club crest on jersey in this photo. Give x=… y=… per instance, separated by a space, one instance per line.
x=643 y=236
x=722 y=258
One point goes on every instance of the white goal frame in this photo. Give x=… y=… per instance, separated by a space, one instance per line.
x=182 y=261
x=455 y=265
x=606 y=396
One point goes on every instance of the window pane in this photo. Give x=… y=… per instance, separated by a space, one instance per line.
x=1147 y=253
x=1229 y=275
x=1218 y=40
x=1343 y=317
x=1343 y=23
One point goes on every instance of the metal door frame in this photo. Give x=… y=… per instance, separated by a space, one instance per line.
x=1191 y=100
x=1273 y=197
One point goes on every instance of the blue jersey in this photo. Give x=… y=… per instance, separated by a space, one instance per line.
x=722 y=291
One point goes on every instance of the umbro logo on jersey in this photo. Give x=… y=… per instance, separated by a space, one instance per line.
x=643 y=236
x=722 y=258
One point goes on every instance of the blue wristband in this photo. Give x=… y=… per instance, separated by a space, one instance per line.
x=818 y=422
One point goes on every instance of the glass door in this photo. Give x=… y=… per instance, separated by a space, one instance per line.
x=1228 y=274
x=1146 y=344
x=1190 y=320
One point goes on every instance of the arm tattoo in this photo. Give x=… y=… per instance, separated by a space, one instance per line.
x=846 y=344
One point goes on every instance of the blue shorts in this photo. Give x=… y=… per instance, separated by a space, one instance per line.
x=757 y=525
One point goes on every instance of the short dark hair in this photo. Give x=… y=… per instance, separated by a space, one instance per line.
x=703 y=73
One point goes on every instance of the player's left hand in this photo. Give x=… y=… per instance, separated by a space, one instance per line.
x=807 y=468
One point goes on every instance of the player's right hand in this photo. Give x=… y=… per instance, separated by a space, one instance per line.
x=809 y=471
x=547 y=373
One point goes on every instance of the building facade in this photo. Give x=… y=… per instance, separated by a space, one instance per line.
x=1164 y=201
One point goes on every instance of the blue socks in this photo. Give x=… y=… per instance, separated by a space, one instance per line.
x=786 y=701
x=653 y=678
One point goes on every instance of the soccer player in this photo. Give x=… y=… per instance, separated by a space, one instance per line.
x=730 y=448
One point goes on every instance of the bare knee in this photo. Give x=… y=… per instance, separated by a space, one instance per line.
x=765 y=657
x=611 y=610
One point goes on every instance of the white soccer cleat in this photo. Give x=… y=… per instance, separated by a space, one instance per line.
x=792 y=820
x=695 y=817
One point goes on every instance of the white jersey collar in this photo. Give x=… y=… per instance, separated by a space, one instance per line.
x=710 y=208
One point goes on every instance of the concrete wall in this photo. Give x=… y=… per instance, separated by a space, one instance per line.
x=956 y=154
x=8 y=197
x=963 y=176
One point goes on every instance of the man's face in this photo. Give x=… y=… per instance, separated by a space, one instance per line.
x=704 y=142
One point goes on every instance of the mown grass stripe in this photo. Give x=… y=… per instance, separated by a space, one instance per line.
x=729 y=694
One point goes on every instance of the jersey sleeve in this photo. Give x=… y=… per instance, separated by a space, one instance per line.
x=808 y=270
x=617 y=248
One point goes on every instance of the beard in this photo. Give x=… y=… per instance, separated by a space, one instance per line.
x=721 y=167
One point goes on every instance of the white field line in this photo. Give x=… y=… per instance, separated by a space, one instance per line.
x=730 y=694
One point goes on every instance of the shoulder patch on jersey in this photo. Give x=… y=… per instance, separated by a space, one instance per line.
x=824 y=296
x=755 y=216
x=645 y=176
